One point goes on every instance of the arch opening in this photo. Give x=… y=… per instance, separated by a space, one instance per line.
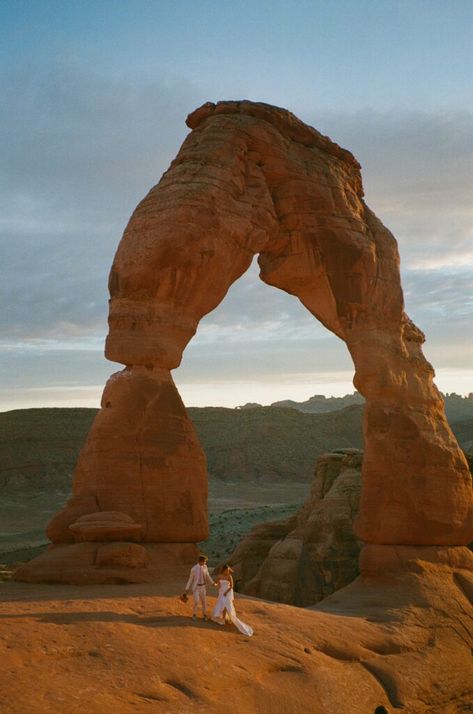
x=261 y=345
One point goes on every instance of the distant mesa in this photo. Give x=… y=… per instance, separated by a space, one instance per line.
x=252 y=179
x=457 y=408
x=320 y=404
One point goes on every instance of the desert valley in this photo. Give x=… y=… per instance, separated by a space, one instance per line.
x=130 y=648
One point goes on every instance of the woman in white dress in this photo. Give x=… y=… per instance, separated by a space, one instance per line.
x=224 y=610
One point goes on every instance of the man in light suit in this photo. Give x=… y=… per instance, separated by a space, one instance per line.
x=197 y=583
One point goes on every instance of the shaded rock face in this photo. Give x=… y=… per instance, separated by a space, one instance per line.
x=253 y=179
x=307 y=557
x=106 y=526
x=315 y=552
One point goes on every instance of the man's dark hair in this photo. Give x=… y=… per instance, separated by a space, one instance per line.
x=202 y=558
x=381 y=710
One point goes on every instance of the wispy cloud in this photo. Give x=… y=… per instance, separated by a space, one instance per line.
x=80 y=150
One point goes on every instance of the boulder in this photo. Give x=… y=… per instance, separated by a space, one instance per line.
x=105 y=526
x=58 y=529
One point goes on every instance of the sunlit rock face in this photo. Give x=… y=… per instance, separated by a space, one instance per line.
x=253 y=179
x=142 y=458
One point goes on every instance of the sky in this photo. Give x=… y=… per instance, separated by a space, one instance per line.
x=94 y=99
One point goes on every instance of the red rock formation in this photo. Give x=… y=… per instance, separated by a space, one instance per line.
x=106 y=526
x=314 y=553
x=142 y=457
x=253 y=179
x=94 y=562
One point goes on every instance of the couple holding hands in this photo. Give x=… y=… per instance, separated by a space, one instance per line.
x=224 y=610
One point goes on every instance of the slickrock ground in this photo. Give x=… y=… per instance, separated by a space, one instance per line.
x=403 y=640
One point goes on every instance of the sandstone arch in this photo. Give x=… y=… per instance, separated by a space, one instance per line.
x=253 y=179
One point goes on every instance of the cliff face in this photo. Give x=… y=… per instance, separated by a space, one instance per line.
x=314 y=553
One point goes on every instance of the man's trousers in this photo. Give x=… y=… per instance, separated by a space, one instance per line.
x=200 y=598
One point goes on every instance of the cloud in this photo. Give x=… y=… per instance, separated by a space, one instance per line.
x=445 y=294
x=79 y=150
x=409 y=159
x=418 y=176
x=88 y=135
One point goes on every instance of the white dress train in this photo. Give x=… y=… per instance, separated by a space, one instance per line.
x=225 y=602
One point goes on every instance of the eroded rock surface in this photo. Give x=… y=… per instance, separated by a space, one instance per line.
x=400 y=638
x=315 y=552
x=92 y=562
x=106 y=526
x=142 y=458
x=253 y=179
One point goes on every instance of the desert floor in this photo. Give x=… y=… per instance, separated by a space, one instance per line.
x=135 y=649
x=234 y=508
x=403 y=641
